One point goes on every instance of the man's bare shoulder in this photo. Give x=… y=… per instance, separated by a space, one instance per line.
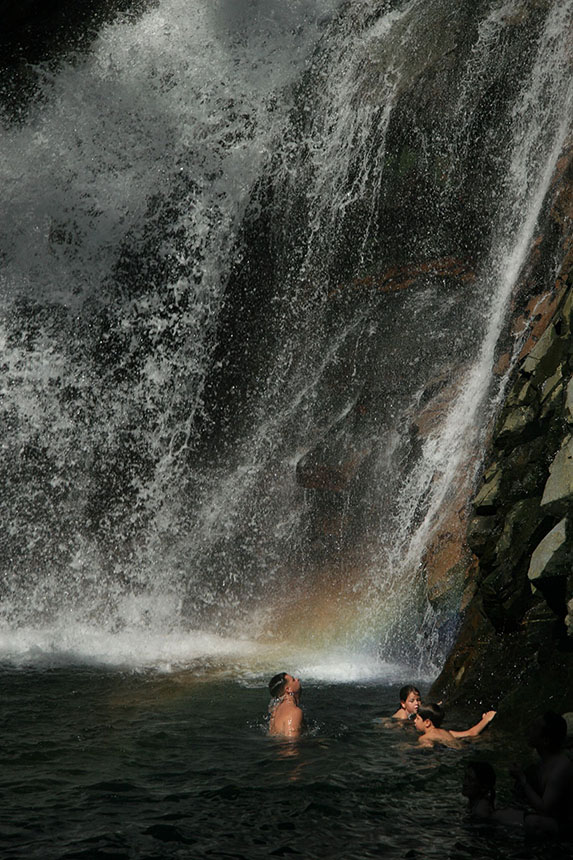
x=296 y=717
x=287 y=720
x=559 y=767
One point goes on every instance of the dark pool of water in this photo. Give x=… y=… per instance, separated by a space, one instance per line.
x=100 y=764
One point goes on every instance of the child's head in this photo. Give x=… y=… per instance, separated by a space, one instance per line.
x=410 y=699
x=479 y=781
x=432 y=712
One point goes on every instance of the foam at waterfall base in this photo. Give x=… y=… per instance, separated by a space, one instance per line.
x=200 y=653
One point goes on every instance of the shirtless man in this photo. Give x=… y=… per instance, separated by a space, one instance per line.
x=286 y=718
x=410 y=701
x=428 y=722
x=549 y=791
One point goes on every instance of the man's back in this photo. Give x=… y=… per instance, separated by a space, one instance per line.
x=286 y=716
x=286 y=719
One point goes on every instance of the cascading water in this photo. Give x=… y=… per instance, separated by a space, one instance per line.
x=208 y=222
x=152 y=139
x=539 y=127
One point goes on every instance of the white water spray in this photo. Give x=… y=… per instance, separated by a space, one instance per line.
x=149 y=149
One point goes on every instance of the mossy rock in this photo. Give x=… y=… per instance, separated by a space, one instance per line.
x=523 y=393
x=520 y=523
x=558 y=492
x=489 y=495
x=482 y=534
x=553 y=556
x=514 y=423
x=568 y=405
x=545 y=357
x=553 y=385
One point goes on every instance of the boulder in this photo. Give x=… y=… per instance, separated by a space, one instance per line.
x=552 y=402
x=526 y=469
x=568 y=409
x=481 y=535
x=515 y=422
x=524 y=392
x=520 y=522
x=558 y=491
x=552 y=383
x=486 y=500
x=545 y=356
x=553 y=556
x=540 y=311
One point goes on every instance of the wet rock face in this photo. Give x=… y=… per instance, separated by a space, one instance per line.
x=38 y=32
x=517 y=633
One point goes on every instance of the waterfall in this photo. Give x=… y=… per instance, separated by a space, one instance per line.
x=540 y=125
x=210 y=219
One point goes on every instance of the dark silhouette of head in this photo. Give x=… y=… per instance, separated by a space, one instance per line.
x=548 y=732
x=479 y=781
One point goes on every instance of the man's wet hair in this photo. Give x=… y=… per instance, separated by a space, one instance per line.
x=554 y=729
x=277 y=685
x=405 y=691
x=432 y=712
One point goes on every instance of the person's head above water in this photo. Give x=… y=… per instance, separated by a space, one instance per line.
x=479 y=781
x=432 y=712
x=548 y=732
x=284 y=684
x=410 y=699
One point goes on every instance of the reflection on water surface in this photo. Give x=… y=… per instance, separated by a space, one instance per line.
x=101 y=764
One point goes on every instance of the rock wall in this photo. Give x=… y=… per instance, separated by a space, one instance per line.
x=515 y=644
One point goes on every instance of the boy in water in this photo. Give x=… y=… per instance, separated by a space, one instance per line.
x=286 y=717
x=410 y=701
x=429 y=719
x=479 y=788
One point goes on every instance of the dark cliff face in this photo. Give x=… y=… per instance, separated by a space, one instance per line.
x=516 y=640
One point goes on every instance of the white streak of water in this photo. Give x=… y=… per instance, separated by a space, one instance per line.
x=542 y=120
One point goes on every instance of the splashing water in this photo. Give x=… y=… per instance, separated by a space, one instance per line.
x=128 y=185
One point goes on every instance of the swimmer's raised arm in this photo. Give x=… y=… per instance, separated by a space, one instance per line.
x=474 y=731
